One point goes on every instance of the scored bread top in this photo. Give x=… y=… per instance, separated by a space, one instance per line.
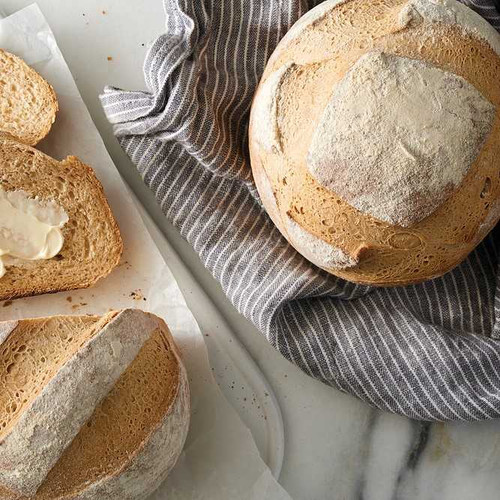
x=434 y=122
x=92 y=242
x=320 y=53
x=134 y=435
x=28 y=104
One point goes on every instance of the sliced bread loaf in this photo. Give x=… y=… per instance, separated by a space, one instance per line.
x=90 y=407
x=92 y=244
x=28 y=104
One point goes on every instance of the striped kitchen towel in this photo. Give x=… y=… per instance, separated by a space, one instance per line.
x=429 y=351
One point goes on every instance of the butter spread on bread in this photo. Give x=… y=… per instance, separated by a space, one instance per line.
x=92 y=242
x=30 y=229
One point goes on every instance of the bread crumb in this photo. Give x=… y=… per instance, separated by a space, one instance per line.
x=77 y=306
x=137 y=295
x=104 y=12
x=110 y=58
x=7 y=303
x=69 y=299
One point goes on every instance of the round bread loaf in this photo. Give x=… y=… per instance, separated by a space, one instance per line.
x=375 y=137
x=90 y=407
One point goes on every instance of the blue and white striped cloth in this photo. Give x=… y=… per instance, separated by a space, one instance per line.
x=430 y=351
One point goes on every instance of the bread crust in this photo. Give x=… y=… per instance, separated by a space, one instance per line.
x=145 y=467
x=150 y=464
x=6 y=328
x=56 y=415
x=322 y=50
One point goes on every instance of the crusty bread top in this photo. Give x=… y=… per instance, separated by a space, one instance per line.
x=419 y=129
x=121 y=427
x=92 y=242
x=28 y=104
x=320 y=51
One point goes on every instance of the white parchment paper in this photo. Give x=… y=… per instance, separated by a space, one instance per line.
x=220 y=460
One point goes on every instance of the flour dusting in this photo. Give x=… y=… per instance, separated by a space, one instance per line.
x=6 y=328
x=311 y=17
x=452 y=13
x=265 y=110
x=268 y=192
x=316 y=250
x=398 y=137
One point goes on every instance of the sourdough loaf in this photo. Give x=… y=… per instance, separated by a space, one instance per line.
x=28 y=104
x=92 y=242
x=90 y=407
x=375 y=137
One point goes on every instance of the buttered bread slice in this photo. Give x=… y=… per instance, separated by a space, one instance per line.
x=28 y=104
x=57 y=231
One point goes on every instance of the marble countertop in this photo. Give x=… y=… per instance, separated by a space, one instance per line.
x=337 y=448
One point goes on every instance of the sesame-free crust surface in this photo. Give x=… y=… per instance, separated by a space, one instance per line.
x=322 y=52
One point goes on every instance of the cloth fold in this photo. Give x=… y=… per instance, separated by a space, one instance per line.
x=428 y=351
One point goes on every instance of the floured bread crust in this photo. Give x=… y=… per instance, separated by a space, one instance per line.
x=321 y=52
x=91 y=407
x=6 y=328
x=315 y=249
x=54 y=418
x=265 y=111
x=452 y=13
x=419 y=129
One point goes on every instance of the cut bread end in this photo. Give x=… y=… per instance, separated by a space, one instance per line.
x=28 y=103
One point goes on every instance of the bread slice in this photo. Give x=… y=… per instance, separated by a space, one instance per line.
x=90 y=407
x=92 y=242
x=28 y=104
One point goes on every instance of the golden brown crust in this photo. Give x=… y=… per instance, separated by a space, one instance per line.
x=265 y=188
x=392 y=255
x=93 y=245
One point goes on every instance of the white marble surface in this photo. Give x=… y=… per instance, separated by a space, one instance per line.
x=337 y=448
